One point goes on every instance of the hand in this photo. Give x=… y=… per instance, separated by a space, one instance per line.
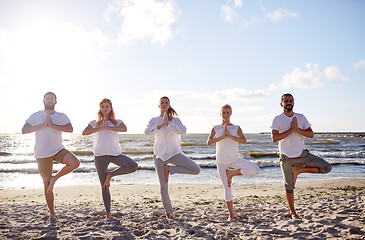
x=165 y=121
x=294 y=124
x=48 y=121
x=103 y=124
x=226 y=133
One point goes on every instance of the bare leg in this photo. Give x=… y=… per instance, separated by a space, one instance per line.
x=71 y=163
x=231 y=174
x=230 y=210
x=169 y=216
x=49 y=198
x=107 y=180
x=167 y=171
x=298 y=170
x=290 y=200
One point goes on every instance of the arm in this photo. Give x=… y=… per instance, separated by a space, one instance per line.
x=306 y=133
x=212 y=140
x=90 y=130
x=241 y=138
x=276 y=136
x=177 y=126
x=151 y=127
x=120 y=128
x=65 y=128
x=27 y=128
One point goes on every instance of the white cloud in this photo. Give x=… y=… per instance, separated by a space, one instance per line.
x=228 y=12
x=222 y=96
x=280 y=14
x=144 y=20
x=360 y=65
x=313 y=77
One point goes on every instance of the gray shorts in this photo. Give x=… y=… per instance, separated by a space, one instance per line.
x=305 y=159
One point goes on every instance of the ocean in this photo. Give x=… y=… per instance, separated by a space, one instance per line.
x=18 y=168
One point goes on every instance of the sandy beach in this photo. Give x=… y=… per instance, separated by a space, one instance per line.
x=329 y=210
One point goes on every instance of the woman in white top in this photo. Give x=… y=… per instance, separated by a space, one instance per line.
x=227 y=136
x=168 y=156
x=107 y=148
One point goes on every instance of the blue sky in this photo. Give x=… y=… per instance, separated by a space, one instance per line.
x=201 y=54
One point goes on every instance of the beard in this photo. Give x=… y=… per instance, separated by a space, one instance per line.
x=49 y=107
x=288 y=108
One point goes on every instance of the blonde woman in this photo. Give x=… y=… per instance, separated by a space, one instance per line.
x=227 y=136
x=168 y=156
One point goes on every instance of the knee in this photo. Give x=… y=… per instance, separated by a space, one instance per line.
x=196 y=170
x=75 y=163
x=326 y=169
x=134 y=166
x=256 y=170
x=289 y=188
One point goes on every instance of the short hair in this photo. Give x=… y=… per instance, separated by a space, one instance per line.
x=286 y=95
x=226 y=106
x=51 y=94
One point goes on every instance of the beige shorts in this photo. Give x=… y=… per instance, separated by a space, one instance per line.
x=45 y=165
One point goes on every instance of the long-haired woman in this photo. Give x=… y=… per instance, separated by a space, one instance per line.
x=107 y=149
x=168 y=156
x=227 y=136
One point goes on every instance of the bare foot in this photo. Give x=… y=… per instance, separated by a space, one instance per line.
x=296 y=171
x=52 y=218
x=292 y=215
x=229 y=177
x=167 y=171
x=52 y=181
x=168 y=216
x=230 y=218
x=107 y=216
x=107 y=180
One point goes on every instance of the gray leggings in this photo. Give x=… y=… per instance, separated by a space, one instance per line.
x=183 y=165
x=126 y=165
x=306 y=159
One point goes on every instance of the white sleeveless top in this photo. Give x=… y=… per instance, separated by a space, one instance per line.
x=226 y=149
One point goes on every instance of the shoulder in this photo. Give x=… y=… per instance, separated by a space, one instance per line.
x=299 y=115
x=60 y=114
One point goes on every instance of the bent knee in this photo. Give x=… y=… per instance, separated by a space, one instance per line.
x=196 y=170
x=326 y=169
x=74 y=164
x=134 y=167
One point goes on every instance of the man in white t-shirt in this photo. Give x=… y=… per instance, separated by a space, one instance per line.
x=290 y=128
x=48 y=126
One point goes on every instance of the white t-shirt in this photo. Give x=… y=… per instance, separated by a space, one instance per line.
x=48 y=141
x=226 y=149
x=106 y=142
x=292 y=145
x=167 y=139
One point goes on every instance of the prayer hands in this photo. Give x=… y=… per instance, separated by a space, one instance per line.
x=165 y=121
x=294 y=124
x=103 y=124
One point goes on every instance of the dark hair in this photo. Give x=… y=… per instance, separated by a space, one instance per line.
x=171 y=113
x=111 y=113
x=286 y=95
x=51 y=94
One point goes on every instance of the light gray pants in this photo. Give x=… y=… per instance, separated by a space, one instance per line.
x=126 y=165
x=306 y=159
x=181 y=164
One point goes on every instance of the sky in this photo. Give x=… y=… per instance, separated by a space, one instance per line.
x=201 y=54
